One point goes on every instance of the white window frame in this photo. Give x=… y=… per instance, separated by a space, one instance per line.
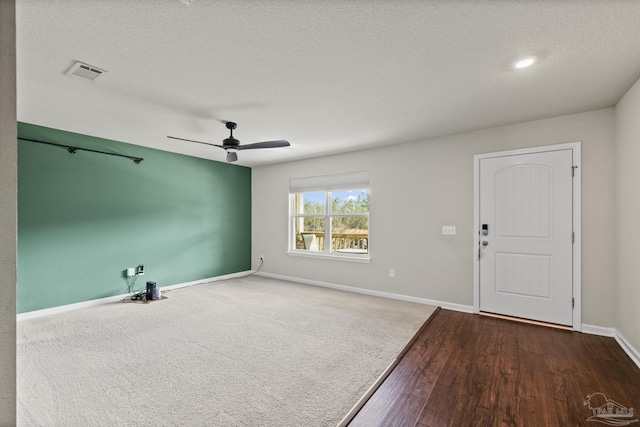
x=327 y=184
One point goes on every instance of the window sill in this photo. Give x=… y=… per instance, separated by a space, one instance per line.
x=365 y=259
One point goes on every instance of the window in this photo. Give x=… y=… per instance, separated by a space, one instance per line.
x=329 y=215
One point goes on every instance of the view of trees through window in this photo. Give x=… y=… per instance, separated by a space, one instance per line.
x=347 y=214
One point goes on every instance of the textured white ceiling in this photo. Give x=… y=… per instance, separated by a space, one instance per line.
x=327 y=75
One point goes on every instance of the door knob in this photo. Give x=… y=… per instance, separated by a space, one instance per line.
x=484 y=243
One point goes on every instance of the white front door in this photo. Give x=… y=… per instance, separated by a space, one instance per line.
x=526 y=236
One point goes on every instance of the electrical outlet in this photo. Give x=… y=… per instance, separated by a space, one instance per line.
x=140 y=270
x=392 y=272
x=130 y=272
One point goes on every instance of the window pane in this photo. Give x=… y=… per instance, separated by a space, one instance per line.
x=356 y=201
x=350 y=234
x=310 y=233
x=310 y=203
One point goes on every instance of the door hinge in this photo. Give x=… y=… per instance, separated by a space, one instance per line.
x=573 y=303
x=573 y=171
x=573 y=237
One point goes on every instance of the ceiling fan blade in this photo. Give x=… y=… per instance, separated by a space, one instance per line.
x=232 y=156
x=265 y=144
x=191 y=140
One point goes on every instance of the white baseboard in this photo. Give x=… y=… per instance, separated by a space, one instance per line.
x=68 y=307
x=443 y=304
x=598 y=330
x=631 y=351
x=210 y=279
x=116 y=298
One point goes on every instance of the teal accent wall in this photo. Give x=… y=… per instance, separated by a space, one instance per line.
x=85 y=217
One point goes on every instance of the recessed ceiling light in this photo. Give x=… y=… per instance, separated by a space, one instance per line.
x=525 y=62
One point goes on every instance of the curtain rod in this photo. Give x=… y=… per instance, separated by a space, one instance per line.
x=72 y=150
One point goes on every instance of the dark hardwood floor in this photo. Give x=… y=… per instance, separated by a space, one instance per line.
x=471 y=370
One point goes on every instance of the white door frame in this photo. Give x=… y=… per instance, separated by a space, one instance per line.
x=577 y=224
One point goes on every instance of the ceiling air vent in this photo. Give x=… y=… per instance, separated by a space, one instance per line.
x=83 y=71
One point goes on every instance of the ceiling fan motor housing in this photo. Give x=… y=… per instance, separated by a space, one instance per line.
x=230 y=142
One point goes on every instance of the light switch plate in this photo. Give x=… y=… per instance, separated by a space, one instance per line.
x=449 y=230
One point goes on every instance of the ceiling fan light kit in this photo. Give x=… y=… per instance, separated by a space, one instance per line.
x=232 y=145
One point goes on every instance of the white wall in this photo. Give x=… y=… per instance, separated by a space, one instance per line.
x=416 y=188
x=8 y=217
x=627 y=130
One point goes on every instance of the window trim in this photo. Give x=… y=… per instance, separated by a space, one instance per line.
x=364 y=258
x=328 y=215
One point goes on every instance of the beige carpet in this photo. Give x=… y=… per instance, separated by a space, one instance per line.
x=245 y=352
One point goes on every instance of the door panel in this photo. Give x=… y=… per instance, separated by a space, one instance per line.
x=526 y=266
x=523 y=205
x=521 y=274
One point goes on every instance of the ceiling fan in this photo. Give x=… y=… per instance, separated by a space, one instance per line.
x=232 y=145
